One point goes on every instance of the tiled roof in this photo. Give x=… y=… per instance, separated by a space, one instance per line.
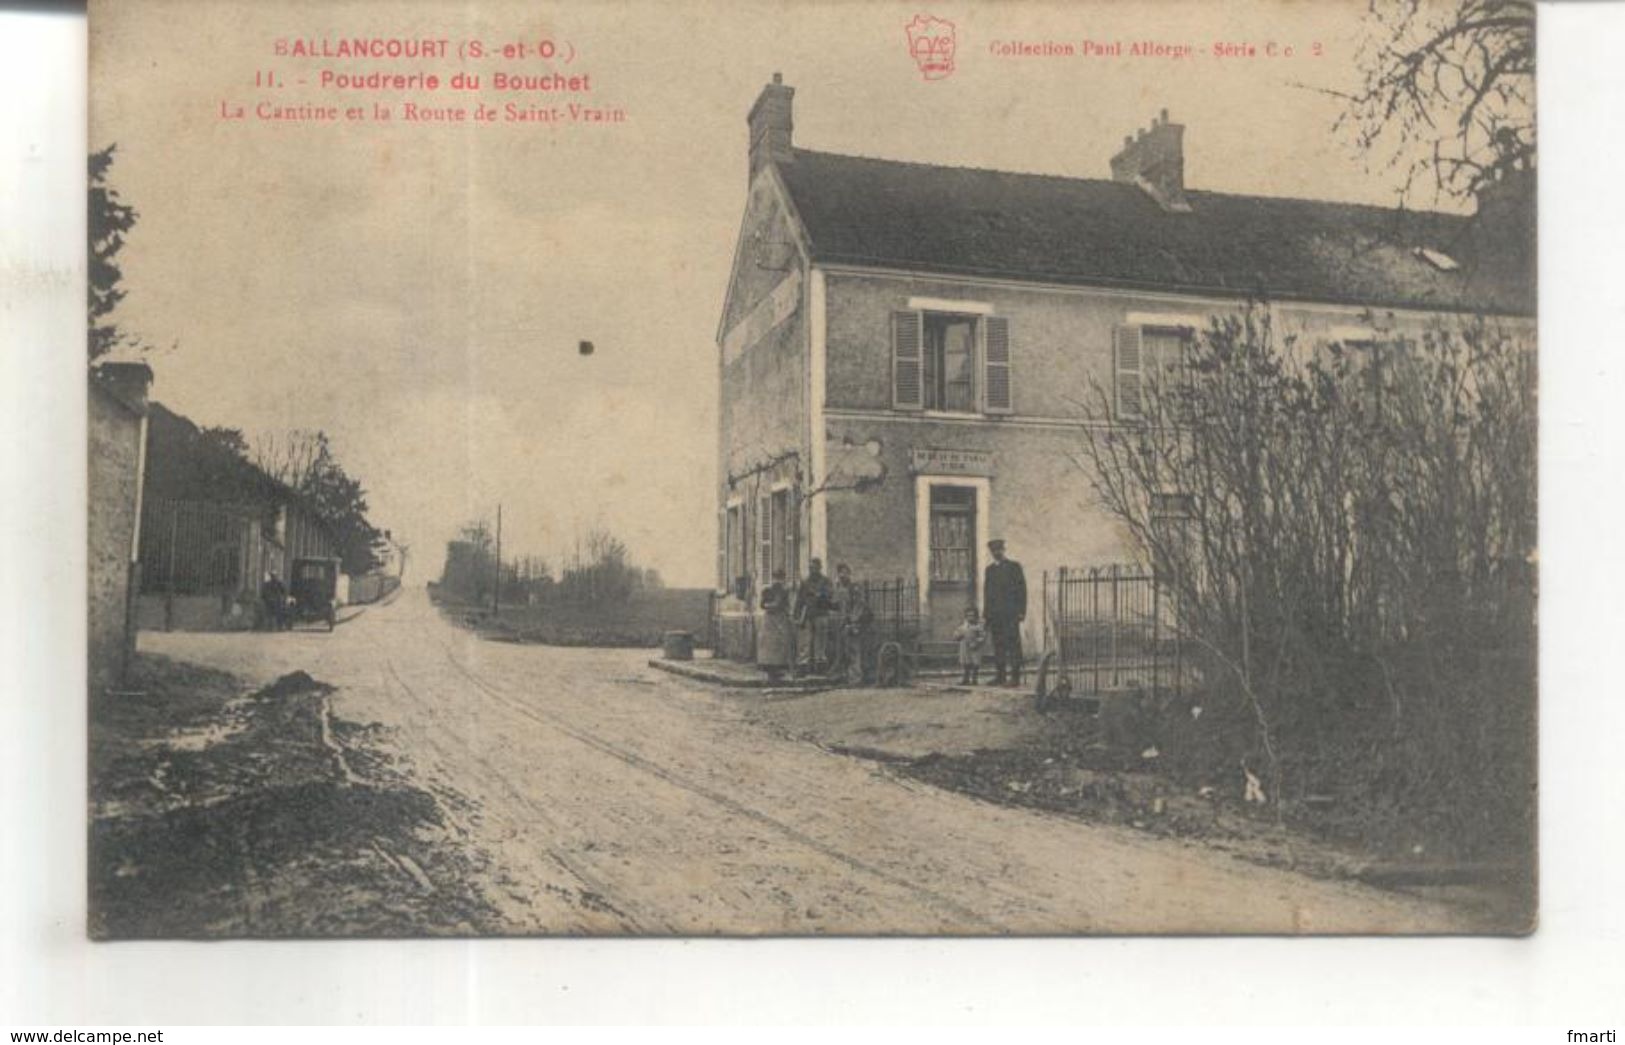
x=920 y=217
x=184 y=464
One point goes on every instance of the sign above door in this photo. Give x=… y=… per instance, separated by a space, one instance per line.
x=936 y=461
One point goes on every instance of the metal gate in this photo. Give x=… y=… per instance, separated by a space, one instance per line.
x=1112 y=628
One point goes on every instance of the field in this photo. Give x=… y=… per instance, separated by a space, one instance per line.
x=638 y=622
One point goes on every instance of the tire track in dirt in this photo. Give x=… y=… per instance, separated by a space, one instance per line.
x=935 y=900
x=594 y=894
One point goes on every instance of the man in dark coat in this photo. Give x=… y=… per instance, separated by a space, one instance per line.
x=1004 y=598
x=275 y=595
x=815 y=598
x=854 y=659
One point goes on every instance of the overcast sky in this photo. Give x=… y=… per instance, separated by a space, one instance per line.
x=419 y=291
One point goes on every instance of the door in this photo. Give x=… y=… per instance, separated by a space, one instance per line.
x=952 y=575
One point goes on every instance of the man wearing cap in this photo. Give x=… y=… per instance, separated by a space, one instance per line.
x=1004 y=603
x=815 y=598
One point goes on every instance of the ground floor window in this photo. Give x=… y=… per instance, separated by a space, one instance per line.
x=782 y=548
x=735 y=567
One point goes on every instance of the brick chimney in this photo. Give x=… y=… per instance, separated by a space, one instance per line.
x=770 y=125
x=1154 y=159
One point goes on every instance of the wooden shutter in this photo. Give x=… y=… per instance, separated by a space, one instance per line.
x=996 y=353
x=907 y=363
x=792 y=557
x=724 y=582
x=1129 y=368
x=764 y=533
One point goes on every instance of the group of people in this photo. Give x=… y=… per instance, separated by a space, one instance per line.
x=822 y=628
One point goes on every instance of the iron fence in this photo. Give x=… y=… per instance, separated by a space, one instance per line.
x=198 y=548
x=895 y=605
x=1114 y=628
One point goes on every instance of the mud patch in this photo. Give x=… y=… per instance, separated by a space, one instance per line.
x=1094 y=782
x=217 y=812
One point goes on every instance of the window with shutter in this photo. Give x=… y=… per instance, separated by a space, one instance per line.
x=737 y=567
x=997 y=361
x=764 y=536
x=950 y=352
x=747 y=544
x=1128 y=369
x=792 y=556
x=1163 y=370
x=907 y=379
x=781 y=537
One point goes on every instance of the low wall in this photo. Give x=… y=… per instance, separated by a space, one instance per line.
x=372 y=587
x=736 y=636
x=195 y=613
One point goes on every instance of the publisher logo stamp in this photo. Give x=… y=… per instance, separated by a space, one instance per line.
x=931 y=44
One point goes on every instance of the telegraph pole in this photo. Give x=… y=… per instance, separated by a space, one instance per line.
x=496 y=589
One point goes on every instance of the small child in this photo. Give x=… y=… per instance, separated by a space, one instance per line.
x=972 y=636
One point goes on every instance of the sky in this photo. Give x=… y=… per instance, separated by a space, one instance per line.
x=419 y=290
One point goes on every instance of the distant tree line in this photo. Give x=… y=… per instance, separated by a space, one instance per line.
x=598 y=572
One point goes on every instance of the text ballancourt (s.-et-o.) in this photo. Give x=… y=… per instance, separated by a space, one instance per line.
x=422 y=80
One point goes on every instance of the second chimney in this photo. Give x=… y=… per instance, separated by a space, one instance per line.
x=1154 y=159
x=771 y=125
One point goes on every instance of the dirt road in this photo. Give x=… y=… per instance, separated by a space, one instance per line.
x=611 y=798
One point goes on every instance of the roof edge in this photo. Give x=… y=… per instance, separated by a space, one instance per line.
x=1064 y=281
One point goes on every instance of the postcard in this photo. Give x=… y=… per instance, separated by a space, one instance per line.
x=767 y=468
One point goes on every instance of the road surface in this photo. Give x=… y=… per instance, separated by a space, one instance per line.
x=609 y=797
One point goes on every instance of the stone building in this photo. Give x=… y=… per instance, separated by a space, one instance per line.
x=907 y=352
x=213 y=527
x=117 y=446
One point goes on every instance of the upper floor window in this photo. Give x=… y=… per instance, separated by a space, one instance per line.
x=1377 y=363
x=952 y=362
x=1148 y=361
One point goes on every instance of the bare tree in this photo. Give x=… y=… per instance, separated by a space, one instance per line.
x=605 y=574
x=291 y=457
x=1448 y=90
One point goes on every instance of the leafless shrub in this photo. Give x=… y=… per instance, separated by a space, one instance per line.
x=1358 y=563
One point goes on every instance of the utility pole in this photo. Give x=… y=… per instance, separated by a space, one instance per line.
x=496 y=589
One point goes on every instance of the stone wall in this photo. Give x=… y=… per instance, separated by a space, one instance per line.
x=115 y=432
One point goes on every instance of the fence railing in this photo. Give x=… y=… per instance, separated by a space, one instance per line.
x=895 y=605
x=198 y=548
x=1115 y=628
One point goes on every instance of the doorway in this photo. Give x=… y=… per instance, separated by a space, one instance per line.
x=951 y=556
